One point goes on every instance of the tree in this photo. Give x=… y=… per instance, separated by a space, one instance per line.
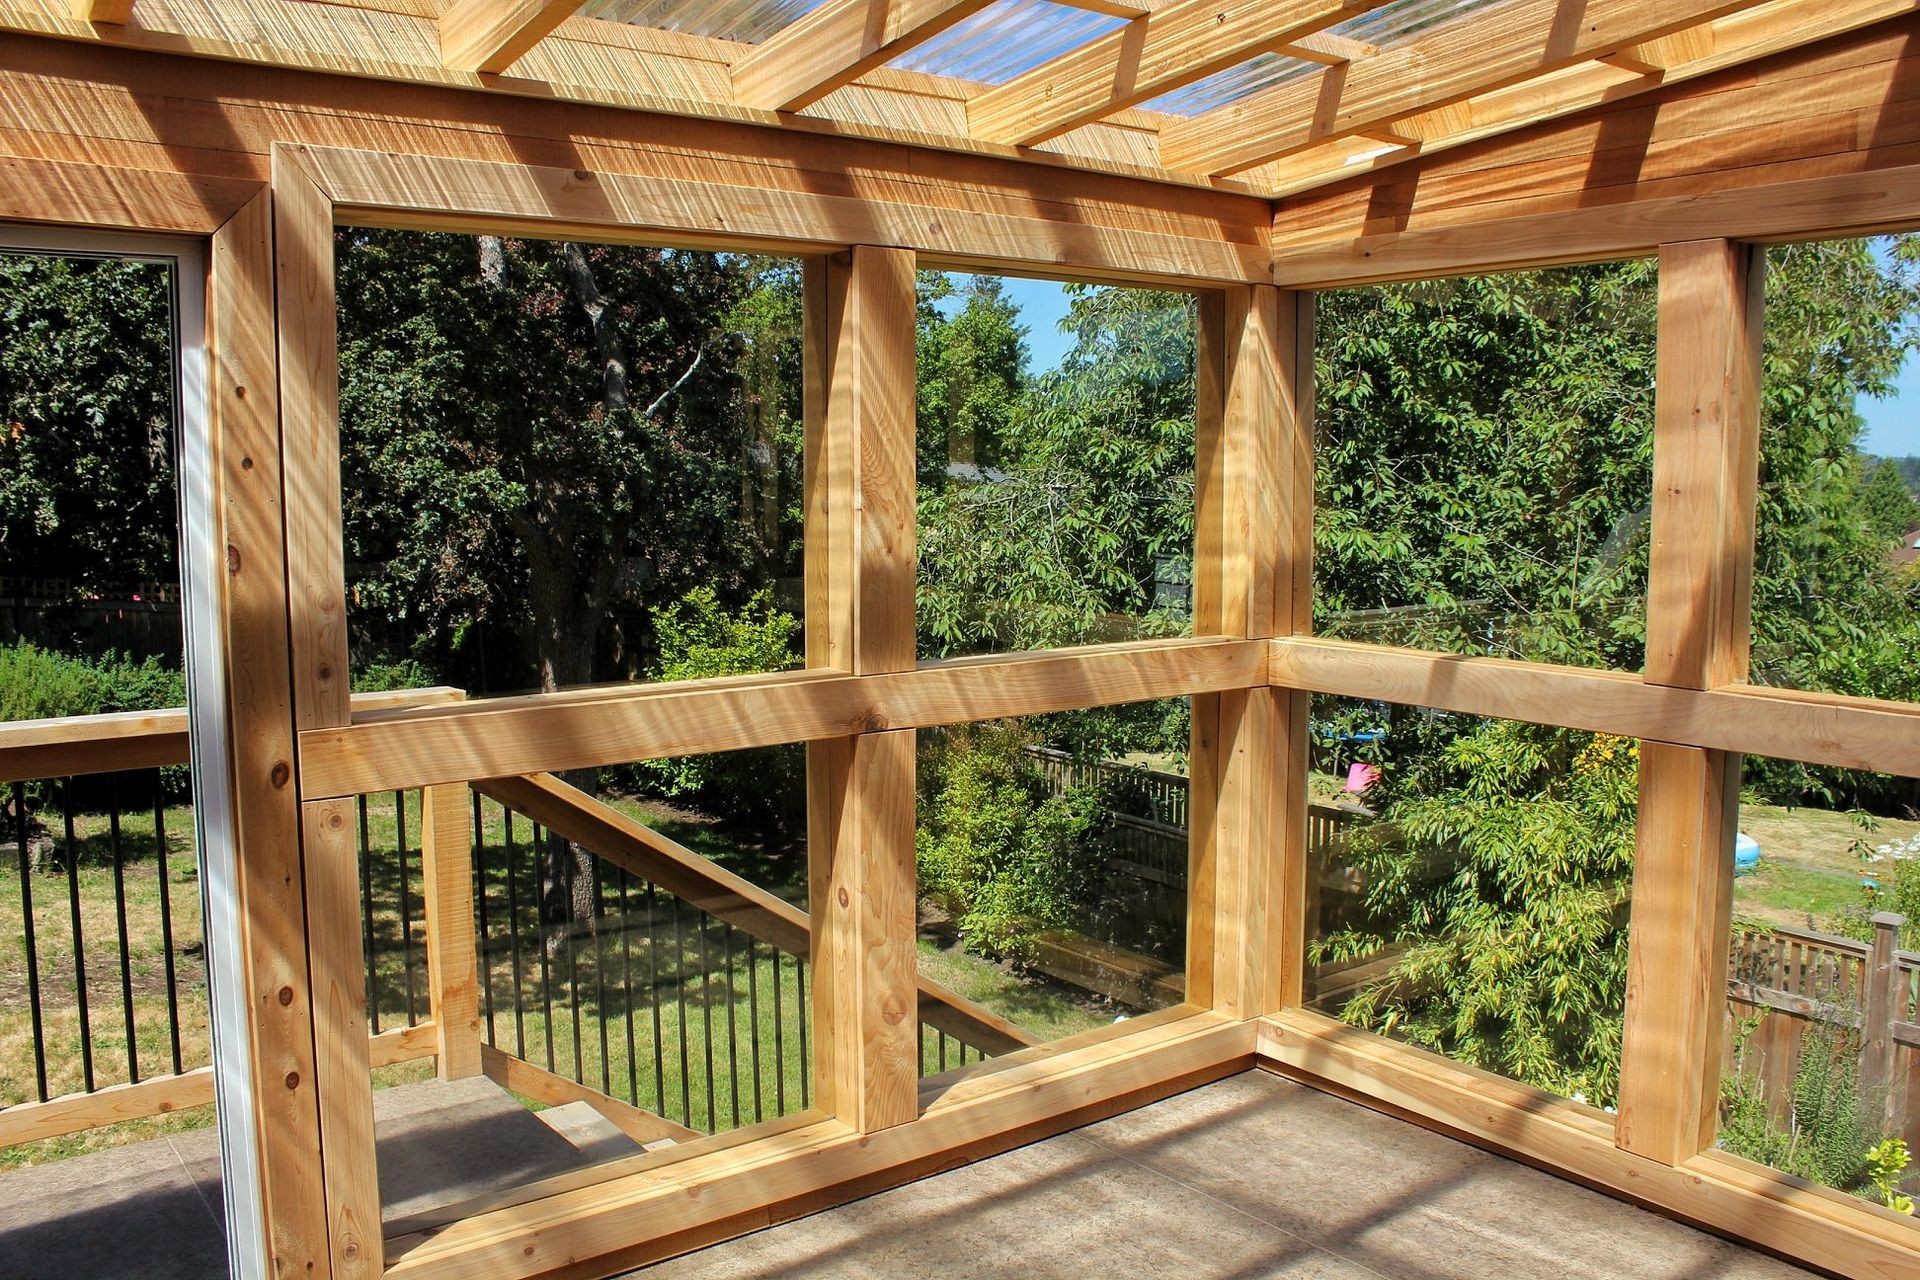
x=549 y=436
x=1890 y=507
x=1480 y=435
x=1092 y=488
x=87 y=421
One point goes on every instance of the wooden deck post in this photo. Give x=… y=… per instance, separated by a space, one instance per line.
x=1879 y=1014
x=270 y=906
x=1705 y=472
x=453 y=979
x=860 y=315
x=316 y=606
x=1253 y=556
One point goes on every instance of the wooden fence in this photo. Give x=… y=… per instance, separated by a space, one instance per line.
x=1793 y=981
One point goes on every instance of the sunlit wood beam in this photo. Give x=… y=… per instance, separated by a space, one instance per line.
x=837 y=43
x=1151 y=55
x=1503 y=46
x=492 y=35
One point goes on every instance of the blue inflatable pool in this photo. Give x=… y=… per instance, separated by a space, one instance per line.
x=1746 y=853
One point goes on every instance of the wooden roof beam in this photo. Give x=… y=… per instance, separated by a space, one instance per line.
x=117 y=12
x=836 y=44
x=1151 y=55
x=1504 y=46
x=492 y=35
x=1747 y=36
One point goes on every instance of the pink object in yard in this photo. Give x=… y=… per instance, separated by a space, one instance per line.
x=1361 y=776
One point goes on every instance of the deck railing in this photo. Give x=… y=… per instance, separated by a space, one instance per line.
x=112 y=985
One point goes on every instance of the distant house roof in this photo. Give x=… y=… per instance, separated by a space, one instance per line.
x=1908 y=552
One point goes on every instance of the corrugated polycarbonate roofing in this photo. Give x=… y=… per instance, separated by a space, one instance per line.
x=1384 y=27
x=1006 y=39
x=1011 y=37
x=748 y=20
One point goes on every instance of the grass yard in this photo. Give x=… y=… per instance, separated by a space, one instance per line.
x=1809 y=863
x=704 y=1042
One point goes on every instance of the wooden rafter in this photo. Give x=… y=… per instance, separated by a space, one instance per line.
x=117 y=12
x=1151 y=55
x=1737 y=38
x=492 y=35
x=1501 y=47
x=837 y=43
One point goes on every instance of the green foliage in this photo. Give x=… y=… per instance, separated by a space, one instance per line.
x=384 y=677
x=1827 y=1137
x=1886 y=1161
x=1091 y=487
x=1007 y=858
x=87 y=420
x=1500 y=871
x=520 y=463
x=38 y=683
x=969 y=374
x=1485 y=462
x=1888 y=505
x=700 y=638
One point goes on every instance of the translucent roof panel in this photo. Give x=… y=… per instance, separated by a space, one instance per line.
x=1385 y=27
x=749 y=20
x=1006 y=39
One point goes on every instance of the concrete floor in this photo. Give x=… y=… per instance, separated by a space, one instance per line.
x=1253 y=1177
x=153 y=1210
x=1249 y=1178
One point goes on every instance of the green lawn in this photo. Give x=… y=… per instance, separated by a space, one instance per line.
x=706 y=1009
x=1809 y=864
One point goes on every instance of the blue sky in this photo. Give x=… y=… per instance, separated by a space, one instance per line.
x=1893 y=422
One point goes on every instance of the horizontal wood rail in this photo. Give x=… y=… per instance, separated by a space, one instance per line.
x=588 y=728
x=161 y=1095
x=720 y=893
x=1817 y=728
x=545 y=1086
x=680 y=1204
x=69 y=745
x=1747 y=1201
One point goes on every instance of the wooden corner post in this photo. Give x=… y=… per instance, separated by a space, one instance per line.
x=1706 y=469
x=860 y=313
x=270 y=909
x=1253 y=555
x=453 y=972
x=316 y=605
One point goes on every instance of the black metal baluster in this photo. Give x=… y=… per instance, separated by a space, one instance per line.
x=733 y=1031
x=406 y=903
x=706 y=1014
x=32 y=946
x=540 y=943
x=753 y=1020
x=79 y=941
x=800 y=1021
x=513 y=943
x=366 y=918
x=779 y=1043
x=482 y=931
x=120 y=923
x=600 y=976
x=680 y=989
x=626 y=985
x=166 y=924
x=568 y=927
x=653 y=985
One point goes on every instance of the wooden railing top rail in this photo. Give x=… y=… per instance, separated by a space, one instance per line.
x=1830 y=941
x=720 y=893
x=64 y=746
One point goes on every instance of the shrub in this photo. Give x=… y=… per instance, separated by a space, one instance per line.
x=1005 y=857
x=384 y=677
x=38 y=683
x=700 y=638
